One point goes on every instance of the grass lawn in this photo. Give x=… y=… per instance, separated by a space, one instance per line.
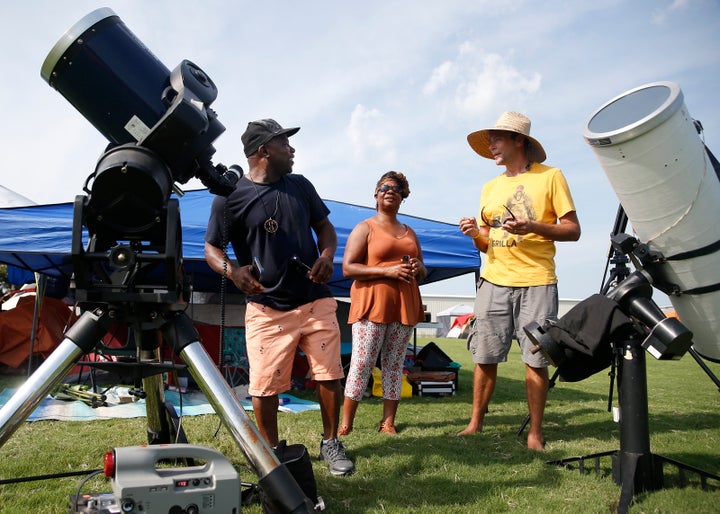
x=425 y=469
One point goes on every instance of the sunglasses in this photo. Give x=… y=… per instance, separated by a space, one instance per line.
x=496 y=223
x=387 y=187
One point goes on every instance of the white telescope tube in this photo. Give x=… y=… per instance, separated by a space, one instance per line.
x=650 y=150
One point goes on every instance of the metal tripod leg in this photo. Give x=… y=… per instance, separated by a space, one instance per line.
x=274 y=478
x=551 y=384
x=228 y=408
x=82 y=337
x=634 y=467
x=79 y=340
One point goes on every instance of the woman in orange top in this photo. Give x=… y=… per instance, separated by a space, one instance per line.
x=384 y=258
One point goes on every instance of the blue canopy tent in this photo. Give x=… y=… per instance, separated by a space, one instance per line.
x=38 y=238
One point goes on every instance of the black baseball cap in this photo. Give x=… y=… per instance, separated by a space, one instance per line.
x=260 y=132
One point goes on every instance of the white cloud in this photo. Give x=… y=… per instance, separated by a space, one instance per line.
x=381 y=85
x=440 y=76
x=495 y=81
x=479 y=81
x=369 y=135
x=660 y=16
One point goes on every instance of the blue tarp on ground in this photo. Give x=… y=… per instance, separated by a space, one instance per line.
x=38 y=238
x=192 y=403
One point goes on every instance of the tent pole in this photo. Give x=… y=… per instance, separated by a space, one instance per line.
x=40 y=282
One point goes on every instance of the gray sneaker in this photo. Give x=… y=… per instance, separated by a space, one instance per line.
x=334 y=454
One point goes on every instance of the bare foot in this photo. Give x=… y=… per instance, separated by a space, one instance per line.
x=536 y=442
x=469 y=430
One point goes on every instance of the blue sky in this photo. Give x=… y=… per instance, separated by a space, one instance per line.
x=380 y=85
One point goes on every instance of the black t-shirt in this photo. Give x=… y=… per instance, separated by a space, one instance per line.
x=294 y=203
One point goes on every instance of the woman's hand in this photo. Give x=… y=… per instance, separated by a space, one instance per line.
x=418 y=268
x=403 y=271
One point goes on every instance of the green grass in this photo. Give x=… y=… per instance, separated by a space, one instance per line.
x=424 y=469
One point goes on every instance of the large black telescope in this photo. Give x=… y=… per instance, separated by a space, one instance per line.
x=129 y=96
x=160 y=130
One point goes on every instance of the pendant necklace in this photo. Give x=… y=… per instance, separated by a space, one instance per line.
x=270 y=224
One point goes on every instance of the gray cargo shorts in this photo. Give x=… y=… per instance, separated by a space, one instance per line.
x=500 y=315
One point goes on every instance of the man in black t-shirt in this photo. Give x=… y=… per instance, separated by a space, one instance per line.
x=270 y=218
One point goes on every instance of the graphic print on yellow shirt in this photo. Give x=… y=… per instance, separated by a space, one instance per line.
x=540 y=194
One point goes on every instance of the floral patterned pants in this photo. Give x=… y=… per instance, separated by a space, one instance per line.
x=370 y=339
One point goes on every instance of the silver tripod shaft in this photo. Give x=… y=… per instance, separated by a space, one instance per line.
x=229 y=409
x=79 y=339
x=37 y=387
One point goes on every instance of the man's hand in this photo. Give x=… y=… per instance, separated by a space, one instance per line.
x=469 y=226
x=519 y=226
x=322 y=270
x=245 y=281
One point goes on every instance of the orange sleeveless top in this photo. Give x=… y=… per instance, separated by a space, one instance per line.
x=385 y=300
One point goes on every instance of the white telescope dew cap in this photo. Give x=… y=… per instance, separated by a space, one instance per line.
x=650 y=150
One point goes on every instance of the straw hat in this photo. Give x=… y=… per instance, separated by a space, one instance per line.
x=511 y=122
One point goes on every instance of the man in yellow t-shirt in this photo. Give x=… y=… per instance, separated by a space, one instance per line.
x=523 y=211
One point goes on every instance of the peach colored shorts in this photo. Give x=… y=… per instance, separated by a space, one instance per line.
x=273 y=338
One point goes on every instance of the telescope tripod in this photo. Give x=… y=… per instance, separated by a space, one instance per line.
x=176 y=328
x=635 y=468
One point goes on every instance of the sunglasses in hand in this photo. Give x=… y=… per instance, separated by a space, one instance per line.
x=495 y=223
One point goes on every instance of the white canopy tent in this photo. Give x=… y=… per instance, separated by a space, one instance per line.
x=446 y=317
x=9 y=198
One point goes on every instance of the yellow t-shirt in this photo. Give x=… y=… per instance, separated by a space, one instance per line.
x=540 y=194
